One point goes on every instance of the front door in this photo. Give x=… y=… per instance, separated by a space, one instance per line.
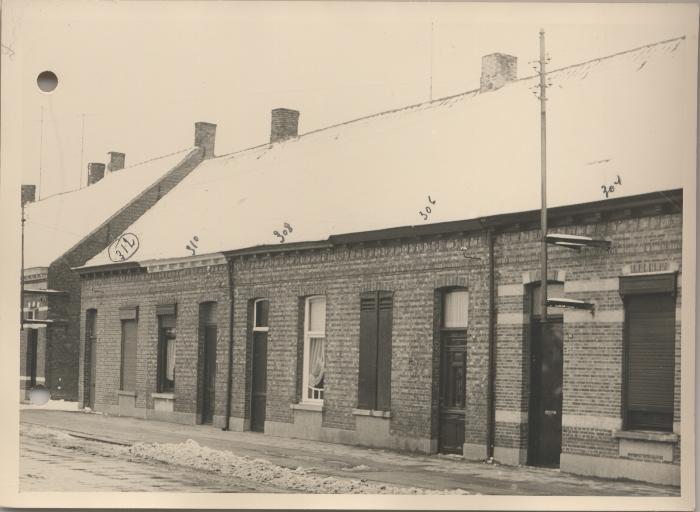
x=91 y=374
x=209 y=380
x=259 y=392
x=546 y=393
x=452 y=391
x=32 y=345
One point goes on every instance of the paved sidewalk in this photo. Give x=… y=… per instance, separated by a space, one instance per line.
x=430 y=472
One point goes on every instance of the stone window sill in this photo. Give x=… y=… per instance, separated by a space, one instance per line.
x=646 y=435
x=163 y=396
x=371 y=412
x=123 y=392
x=307 y=407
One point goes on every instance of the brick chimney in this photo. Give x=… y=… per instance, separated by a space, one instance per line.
x=28 y=194
x=285 y=124
x=497 y=69
x=116 y=161
x=204 y=137
x=96 y=172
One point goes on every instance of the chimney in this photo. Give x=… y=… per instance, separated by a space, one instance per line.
x=28 y=194
x=116 y=161
x=285 y=124
x=497 y=69
x=96 y=172
x=204 y=137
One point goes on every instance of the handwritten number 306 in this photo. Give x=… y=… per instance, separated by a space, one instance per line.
x=428 y=210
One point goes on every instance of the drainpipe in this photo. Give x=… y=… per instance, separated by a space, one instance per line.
x=229 y=383
x=491 y=421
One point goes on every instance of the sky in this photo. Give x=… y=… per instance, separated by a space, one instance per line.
x=136 y=76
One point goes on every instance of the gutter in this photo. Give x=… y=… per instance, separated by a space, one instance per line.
x=491 y=419
x=229 y=381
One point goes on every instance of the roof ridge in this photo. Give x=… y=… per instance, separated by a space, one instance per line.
x=124 y=168
x=452 y=96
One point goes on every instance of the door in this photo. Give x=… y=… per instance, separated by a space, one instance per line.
x=90 y=348
x=32 y=344
x=209 y=369
x=546 y=393
x=259 y=391
x=452 y=391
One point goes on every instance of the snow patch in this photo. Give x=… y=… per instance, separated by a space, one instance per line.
x=191 y=454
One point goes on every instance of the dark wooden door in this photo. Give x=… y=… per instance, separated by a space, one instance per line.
x=453 y=373
x=259 y=392
x=209 y=380
x=91 y=372
x=32 y=346
x=546 y=393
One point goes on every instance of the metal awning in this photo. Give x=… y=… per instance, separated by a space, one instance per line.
x=557 y=302
x=576 y=241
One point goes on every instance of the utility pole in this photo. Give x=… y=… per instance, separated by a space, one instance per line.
x=543 y=151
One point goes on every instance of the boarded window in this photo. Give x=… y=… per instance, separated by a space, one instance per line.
x=128 y=373
x=650 y=361
x=374 y=383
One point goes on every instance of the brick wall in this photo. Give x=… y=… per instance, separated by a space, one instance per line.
x=187 y=288
x=413 y=270
x=593 y=344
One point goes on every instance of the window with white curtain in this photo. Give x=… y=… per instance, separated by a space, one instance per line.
x=314 y=349
x=455 y=309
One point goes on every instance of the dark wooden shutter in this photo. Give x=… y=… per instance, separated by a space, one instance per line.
x=650 y=361
x=386 y=305
x=129 y=328
x=367 y=383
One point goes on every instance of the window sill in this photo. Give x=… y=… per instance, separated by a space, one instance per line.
x=123 y=392
x=163 y=396
x=646 y=435
x=371 y=412
x=307 y=407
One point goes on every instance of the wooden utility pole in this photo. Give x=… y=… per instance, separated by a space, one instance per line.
x=543 y=151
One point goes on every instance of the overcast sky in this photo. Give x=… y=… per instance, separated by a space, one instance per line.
x=139 y=74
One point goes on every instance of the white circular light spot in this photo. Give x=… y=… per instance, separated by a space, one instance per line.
x=39 y=395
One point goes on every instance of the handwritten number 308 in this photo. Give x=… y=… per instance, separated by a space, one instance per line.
x=428 y=210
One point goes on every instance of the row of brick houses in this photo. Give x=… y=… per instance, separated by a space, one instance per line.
x=376 y=282
x=65 y=230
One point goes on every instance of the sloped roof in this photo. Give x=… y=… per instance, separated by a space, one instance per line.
x=628 y=115
x=56 y=224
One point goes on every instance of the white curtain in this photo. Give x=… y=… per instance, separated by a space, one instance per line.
x=316 y=362
x=170 y=359
x=456 y=308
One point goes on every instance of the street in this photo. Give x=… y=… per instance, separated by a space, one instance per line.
x=77 y=451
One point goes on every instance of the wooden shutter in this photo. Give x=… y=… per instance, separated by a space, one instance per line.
x=367 y=383
x=386 y=305
x=129 y=355
x=650 y=360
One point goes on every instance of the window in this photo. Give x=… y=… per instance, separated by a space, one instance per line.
x=374 y=384
x=649 y=351
x=260 y=315
x=166 y=353
x=129 y=344
x=314 y=349
x=455 y=309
